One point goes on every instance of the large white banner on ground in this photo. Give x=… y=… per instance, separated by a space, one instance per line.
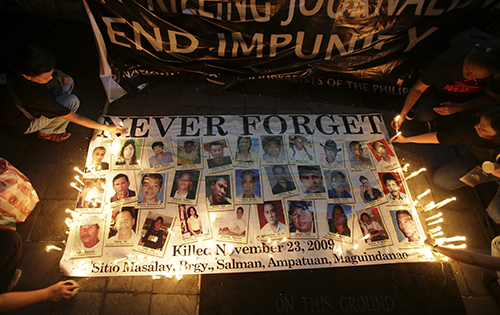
x=218 y=194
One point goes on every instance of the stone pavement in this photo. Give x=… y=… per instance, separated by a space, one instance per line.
x=50 y=168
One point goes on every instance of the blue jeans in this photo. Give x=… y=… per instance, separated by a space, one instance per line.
x=57 y=124
x=448 y=177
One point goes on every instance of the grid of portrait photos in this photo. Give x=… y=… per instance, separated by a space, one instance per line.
x=136 y=194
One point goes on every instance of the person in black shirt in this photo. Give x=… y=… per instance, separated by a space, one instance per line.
x=455 y=82
x=154 y=236
x=37 y=98
x=483 y=140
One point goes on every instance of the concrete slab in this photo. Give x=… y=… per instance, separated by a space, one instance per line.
x=126 y=303
x=189 y=284
x=48 y=225
x=174 y=304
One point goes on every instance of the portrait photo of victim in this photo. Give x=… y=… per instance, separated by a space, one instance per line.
x=311 y=179
x=156 y=229
x=248 y=185
x=300 y=149
x=369 y=189
x=339 y=186
x=273 y=150
x=393 y=188
x=247 y=151
x=383 y=154
x=331 y=152
x=188 y=152
x=217 y=153
x=129 y=154
x=373 y=228
x=280 y=180
x=160 y=154
x=151 y=191
x=88 y=236
x=185 y=186
x=406 y=227
x=124 y=188
x=98 y=161
x=272 y=219
x=338 y=217
x=92 y=194
x=218 y=192
x=194 y=223
x=123 y=226
x=359 y=158
x=301 y=216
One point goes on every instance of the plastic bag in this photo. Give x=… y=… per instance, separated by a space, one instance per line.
x=18 y=198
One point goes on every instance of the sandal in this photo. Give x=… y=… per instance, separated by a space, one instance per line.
x=55 y=137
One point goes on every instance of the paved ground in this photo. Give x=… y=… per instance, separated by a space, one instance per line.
x=49 y=166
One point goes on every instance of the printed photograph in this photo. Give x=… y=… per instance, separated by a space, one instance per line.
x=247 y=152
x=373 y=228
x=188 y=153
x=98 y=159
x=300 y=149
x=311 y=182
x=160 y=154
x=339 y=218
x=129 y=154
x=272 y=220
x=122 y=227
x=273 y=150
x=281 y=181
x=369 y=189
x=154 y=234
x=359 y=157
x=405 y=225
x=339 y=186
x=151 y=191
x=233 y=225
x=91 y=198
x=218 y=155
x=330 y=152
x=184 y=189
x=302 y=218
x=248 y=186
x=194 y=222
x=394 y=188
x=87 y=236
x=218 y=192
x=124 y=189
x=384 y=154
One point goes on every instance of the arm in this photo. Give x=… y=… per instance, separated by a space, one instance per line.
x=481 y=102
x=15 y=300
x=430 y=138
x=85 y=122
x=468 y=257
x=412 y=97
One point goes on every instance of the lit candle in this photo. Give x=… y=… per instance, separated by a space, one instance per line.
x=436 y=222
x=454 y=246
x=415 y=173
x=444 y=202
x=425 y=193
x=75 y=187
x=119 y=260
x=397 y=122
x=79 y=171
x=178 y=276
x=450 y=239
x=437 y=234
x=395 y=136
x=156 y=277
x=71 y=211
x=434 y=217
x=79 y=180
x=404 y=168
x=50 y=247
x=353 y=248
x=435 y=230
x=367 y=236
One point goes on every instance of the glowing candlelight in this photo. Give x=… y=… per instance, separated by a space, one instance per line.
x=404 y=168
x=353 y=248
x=170 y=231
x=79 y=180
x=367 y=236
x=50 y=247
x=434 y=217
x=75 y=187
x=450 y=239
x=230 y=249
x=455 y=246
x=119 y=260
x=437 y=234
x=425 y=193
x=178 y=276
x=283 y=240
x=71 y=211
x=79 y=171
x=395 y=136
x=435 y=230
x=444 y=202
x=415 y=173
x=436 y=222
x=156 y=277
x=397 y=122
x=169 y=275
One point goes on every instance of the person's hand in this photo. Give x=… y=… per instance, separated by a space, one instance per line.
x=429 y=241
x=64 y=81
x=398 y=139
x=60 y=291
x=447 y=108
x=397 y=124
x=116 y=129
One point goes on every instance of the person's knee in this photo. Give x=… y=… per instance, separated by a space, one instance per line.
x=12 y=241
x=493 y=211
x=69 y=101
x=426 y=114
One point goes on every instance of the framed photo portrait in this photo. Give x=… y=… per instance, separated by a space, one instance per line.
x=358 y=156
x=217 y=156
x=98 y=159
x=129 y=155
x=340 y=222
x=188 y=153
x=218 y=192
x=272 y=220
x=281 y=182
x=369 y=189
x=330 y=153
x=247 y=152
x=247 y=183
x=339 y=186
x=91 y=198
x=373 y=228
x=311 y=183
x=151 y=190
x=123 y=188
x=154 y=234
x=405 y=224
x=196 y=225
x=184 y=189
x=394 y=188
x=273 y=150
x=87 y=236
x=122 y=227
x=232 y=226
x=160 y=154
x=300 y=149
x=384 y=154
x=302 y=219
